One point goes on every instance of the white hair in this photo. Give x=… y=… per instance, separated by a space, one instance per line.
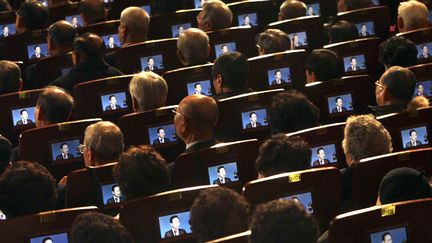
x=149 y=90
x=414 y=14
x=105 y=139
x=193 y=44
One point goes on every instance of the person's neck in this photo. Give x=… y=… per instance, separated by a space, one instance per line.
x=134 y=40
x=98 y=162
x=60 y=50
x=202 y=136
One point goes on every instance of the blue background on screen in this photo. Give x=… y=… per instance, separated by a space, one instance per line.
x=16 y=116
x=261 y=117
x=427 y=87
x=420 y=50
x=107 y=192
x=316 y=9
x=174 y=28
x=43 y=46
x=360 y=62
x=79 y=20
x=230 y=168
x=421 y=133
x=369 y=27
x=158 y=62
x=11 y=27
x=252 y=19
x=375 y=2
x=169 y=133
x=121 y=100
x=231 y=47
x=347 y=102
x=430 y=16
x=65 y=70
x=147 y=8
x=305 y=199
x=198 y=3
x=165 y=225
x=302 y=38
x=57 y=238
x=72 y=144
x=286 y=75
x=205 y=87
x=398 y=235
x=116 y=40
x=329 y=150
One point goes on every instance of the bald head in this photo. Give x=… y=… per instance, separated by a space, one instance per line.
x=412 y=15
x=92 y=11
x=292 y=9
x=53 y=105
x=215 y=15
x=134 y=23
x=193 y=47
x=398 y=85
x=61 y=36
x=10 y=76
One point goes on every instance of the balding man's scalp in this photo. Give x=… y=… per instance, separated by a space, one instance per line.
x=136 y=21
x=193 y=44
x=292 y=9
x=62 y=33
x=56 y=104
x=200 y=111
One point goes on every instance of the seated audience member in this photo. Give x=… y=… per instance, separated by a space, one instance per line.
x=271 y=41
x=215 y=15
x=5 y=6
x=148 y=91
x=397 y=51
x=32 y=15
x=342 y=31
x=26 y=188
x=394 y=91
x=291 y=111
x=218 y=212
x=412 y=15
x=417 y=103
x=291 y=9
x=283 y=221
x=89 y=64
x=5 y=153
x=280 y=154
x=403 y=184
x=96 y=227
x=141 y=171
x=133 y=27
x=92 y=11
x=230 y=74
x=10 y=77
x=348 y=5
x=323 y=65
x=193 y=47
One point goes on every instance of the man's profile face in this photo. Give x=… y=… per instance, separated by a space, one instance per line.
x=65 y=149
x=388 y=239
x=113 y=100
x=150 y=62
x=201 y=23
x=116 y=191
x=24 y=115
x=161 y=133
x=222 y=172
x=37 y=50
x=198 y=88
x=353 y=62
x=278 y=75
x=413 y=135
x=339 y=102
x=321 y=154
x=253 y=117
x=175 y=223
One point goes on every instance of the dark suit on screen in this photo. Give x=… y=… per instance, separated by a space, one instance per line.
x=317 y=162
x=60 y=157
x=20 y=122
x=170 y=233
x=218 y=182
x=334 y=110
x=410 y=145
x=111 y=200
x=249 y=125
x=108 y=107
x=350 y=69
x=156 y=141
x=274 y=82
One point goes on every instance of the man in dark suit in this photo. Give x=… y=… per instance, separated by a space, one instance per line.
x=321 y=158
x=37 y=53
x=413 y=140
x=64 y=149
x=222 y=179
x=420 y=90
x=278 y=78
x=353 y=66
x=193 y=47
x=161 y=137
x=117 y=197
x=151 y=65
x=24 y=118
x=112 y=104
x=339 y=106
x=363 y=31
x=111 y=43
x=253 y=121
x=425 y=52
x=175 y=228
x=246 y=21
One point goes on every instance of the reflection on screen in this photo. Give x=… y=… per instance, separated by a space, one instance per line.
x=254 y=119
x=414 y=137
x=177 y=29
x=152 y=63
x=248 y=20
x=340 y=103
x=23 y=116
x=390 y=235
x=199 y=3
x=323 y=155
x=376 y=2
x=111 y=41
x=354 y=63
x=147 y=8
x=423 y=88
x=65 y=70
x=279 y=76
x=8 y=29
x=298 y=39
x=37 y=51
x=114 y=101
x=65 y=150
x=162 y=134
x=174 y=225
x=75 y=20
x=223 y=173
x=111 y=194
x=366 y=28
x=313 y=9
x=424 y=50
x=225 y=48
x=304 y=198
x=54 y=238
x=202 y=87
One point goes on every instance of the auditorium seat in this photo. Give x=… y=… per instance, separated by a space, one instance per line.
x=406 y=222
x=260 y=12
x=327 y=8
x=181 y=82
x=202 y=167
x=105 y=30
x=420 y=37
x=291 y=64
x=117 y=6
x=20 y=47
x=322 y=199
x=60 y=11
x=33 y=228
x=12 y=104
x=46 y=151
x=141 y=128
x=236 y=238
x=423 y=73
x=144 y=217
x=235 y=113
x=92 y=98
x=166 y=25
x=50 y=68
x=309 y=29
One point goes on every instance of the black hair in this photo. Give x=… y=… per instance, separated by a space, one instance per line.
x=173 y=217
x=220 y=167
x=398 y=51
x=324 y=64
x=234 y=69
x=33 y=14
x=343 y=31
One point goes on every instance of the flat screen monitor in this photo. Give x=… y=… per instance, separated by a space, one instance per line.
x=366 y=28
x=147 y=8
x=424 y=50
x=414 y=136
x=279 y=76
x=44 y=2
x=111 y=41
x=174 y=225
x=152 y=63
x=423 y=88
x=354 y=63
x=8 y=29
x=36 y=51
x=390 y=235
x=200 y=3
x=53 y=238
x=254 y=119
x=304 y=198
x=75 y=20
x=114 y=101
x=225 y=48
x=323 y=155
x=23 y=116
x=111 y=193
x=65 y=150
x=162 y=134
x=299 y=39
x=248 y=20
x=202 y=87
x=340 y=103
x=375 y=2
x=177 y=29
x=223 y=173
x=313 y=9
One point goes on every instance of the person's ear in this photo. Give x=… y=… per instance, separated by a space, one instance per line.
x=40 y=115
x=19 y=26
x=85 y=19
x=75 y=57
x=208 y=51
x=134 y=104
x=218 y=80
x=20 y=84
x=378 y=201
x=208 y=26
x=400 y=23
x=310 y=76
x=181 y=57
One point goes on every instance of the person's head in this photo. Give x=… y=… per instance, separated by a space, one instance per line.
x=353 y=61
x=291 y=111
x=141 y=171
x=87 y=46
x=253 y=117
x=339 y=101
x=278 y=74
x=280 y=154
x=214 y=15
x=134 y=24
x=292 y=9
x=348 y=5
x=365 y=137
x=230 y=72
x=198 y=87
x=97 y=227
x=403 y=184
x=32 y=15
x=27 y=188
x=103 y=143
x=413 y=135
x=5 y=153
x=148 y=91
x=195 y=118
x=64 y=148
x=386 y=237
x=323 y=65
x=115 y=190
x=342 y=31
x=92 y=11
x=363 y=28
x=37 y=49
x=397 y=51
x=150 y=61
x=175 y=222
x=60 y=38
x=161 y=132
x=412 y=15
x=193 y=47
x=53 y=105
x=47 y=240
x=271 y=41
x=417 y=103
x=396 y=86
x=218 y=212
x=10 y=77
x=221 y=171
x=283 y=221
x=24 y=114
x=425 y=49
x=5 y=29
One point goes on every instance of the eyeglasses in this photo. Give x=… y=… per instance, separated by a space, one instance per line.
x=377 y=84
x=81 y=148
x=178 y=113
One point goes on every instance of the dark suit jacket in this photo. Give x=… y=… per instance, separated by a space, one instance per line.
x=427 y=56
x=274 y=82
x=350 y=69
x=384 y=110
x=20 y=122
x=334 y=110
x=217 y=181
x=249 y=125
x=156 y=141
x=233 y=93
x=108 y=47
x=108 y=108
x=409 y=145
x=111 y=200
x=34 y=56
x=365 y=34
x=86 y=70
x=60 y=157
x=154 y=68
x=316 y=162
x=170 y=234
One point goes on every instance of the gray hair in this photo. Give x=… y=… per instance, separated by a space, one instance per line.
x=149 y=90
x=10 y=75
x=414 y=14
x=218 y=14
x=105 y=139
x=193 y=44
x=136 y=20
